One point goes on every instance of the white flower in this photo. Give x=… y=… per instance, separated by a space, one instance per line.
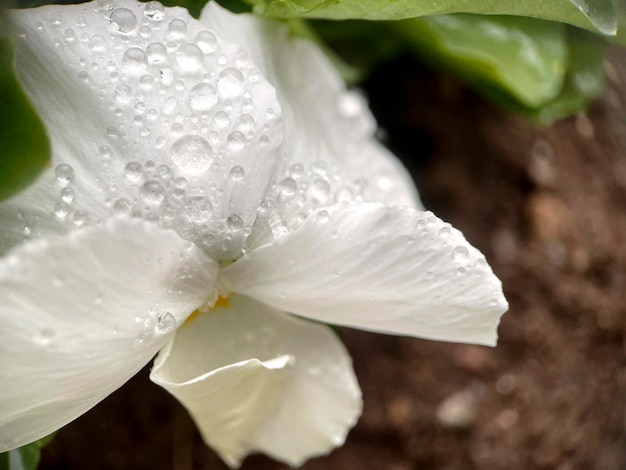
x=216 y=166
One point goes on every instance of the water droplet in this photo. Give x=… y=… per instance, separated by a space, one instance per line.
x=189 y=57
x=122 y=207
x=192 y=154
x=166 y=323
x=69 y=35
x=68 y=194
x=123 y=20
x=206 y=41
x=133 y=171
x=152 y=192
x=177 y=29
x=45 y=337
x=323 y=216
x=237 y=173
x=123 y=93
x=234 y=223
x=154 y=11
x=320 y=189
x=202 y=97
x=288 y=186
x=80 y=218
x=97 y=43
x=166 y=76
x=461 y=271
x=156 y=53
x=445 y=232
x=460 y=253
x=61 y=209
x=230 y=83
x=236 y=141
x=430 y=275
x=135 y=60
x=64 y=173
x=199 y=209
x=222 y=119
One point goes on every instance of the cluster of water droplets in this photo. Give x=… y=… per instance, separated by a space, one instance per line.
x=188 y=116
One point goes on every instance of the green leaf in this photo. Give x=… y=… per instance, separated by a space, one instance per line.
x=585 y=80
x=25 y=457
x=525 y=57
x=25 y=149
x=596 y=15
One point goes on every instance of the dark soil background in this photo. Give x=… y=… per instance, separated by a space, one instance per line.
x=548 y=208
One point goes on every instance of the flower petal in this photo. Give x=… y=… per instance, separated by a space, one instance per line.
x=154 y=114
x=324 y=122
x=255 y=379
x=82 y=314
x=390 y=269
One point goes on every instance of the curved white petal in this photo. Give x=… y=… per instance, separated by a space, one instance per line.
x=255 y=379
x=389 y=269
x=155 y=115
x=80 y=316
x=323 y=121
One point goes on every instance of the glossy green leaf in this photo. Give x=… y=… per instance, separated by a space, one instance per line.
x=25 y=457
x=525 y=57
x=597 y=15
x=25 y=149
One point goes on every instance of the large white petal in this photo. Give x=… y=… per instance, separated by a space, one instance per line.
x=323 y=121
x=80 y=316
x=255 y=379
x=126 y=83
x=390 y=269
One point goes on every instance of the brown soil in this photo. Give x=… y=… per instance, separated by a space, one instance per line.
x=548 y=208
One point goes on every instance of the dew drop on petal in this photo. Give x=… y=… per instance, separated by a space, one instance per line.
x=123 y=93
x=122 y=207
x=234 y=223
x=64 y=173
x=156 y=53
x=236 y=141
x=206 y=41
x=177 y=29
x=192 y=154
x=460 y=253
x=199 y=209
x=189 y=57
x=288 y=186
x=152 y=192
x=123 y=20
x=237 y=173
x=135 y=60
x=154 y=11
x=45 y=337
x=202 y=97
x=166 y=323
x=61 y=209
x=230 y=83
x=133 y=171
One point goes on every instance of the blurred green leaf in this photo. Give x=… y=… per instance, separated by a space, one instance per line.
x=584 y=82
x=596 y=15
x=361 y=44
x=25 y=457
x=525 y=57
x=23 y=139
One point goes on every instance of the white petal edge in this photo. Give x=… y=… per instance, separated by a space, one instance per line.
x=387 y=269
x=91 y=96
x=80 y=316
x=255 y=379
x=322 y=119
